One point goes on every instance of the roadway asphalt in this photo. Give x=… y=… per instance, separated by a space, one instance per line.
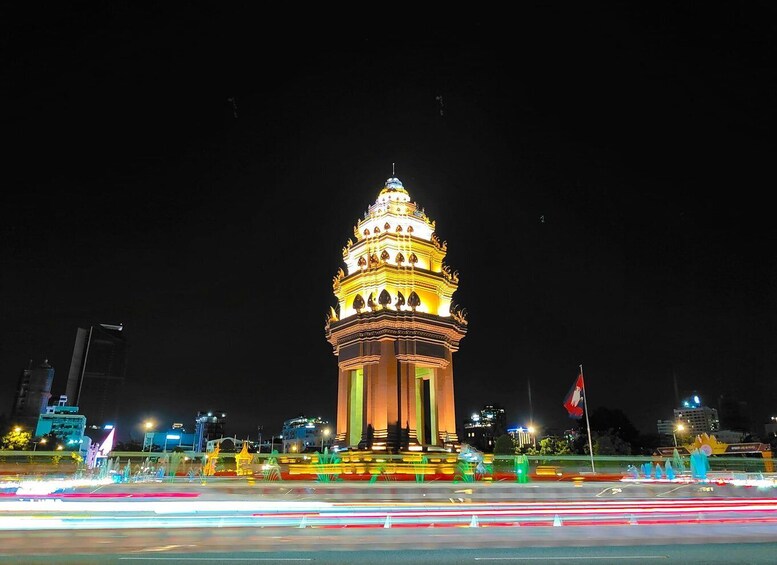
x=703 y=542
x=27 y=535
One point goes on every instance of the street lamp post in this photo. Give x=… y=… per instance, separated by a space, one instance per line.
x=148 y=424
x=324 y=433
x=678 y=428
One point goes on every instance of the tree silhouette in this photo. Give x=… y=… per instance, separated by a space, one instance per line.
x=504 y=445
x=17 y=439
x=613 y=421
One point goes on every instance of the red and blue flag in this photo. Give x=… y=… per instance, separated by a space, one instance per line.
x=575 y=399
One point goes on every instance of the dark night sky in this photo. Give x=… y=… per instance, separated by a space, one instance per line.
x=643 y=134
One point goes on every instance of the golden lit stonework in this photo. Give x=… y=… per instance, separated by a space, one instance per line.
x=394 y=331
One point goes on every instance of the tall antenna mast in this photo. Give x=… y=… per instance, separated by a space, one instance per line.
x=676 y=390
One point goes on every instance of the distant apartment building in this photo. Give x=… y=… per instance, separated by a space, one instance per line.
x=698 y=420
x=64 y=422
x=482 y=429
x=33 y=392
x=302 y=434
x=666 y=427
x=523 y=436
x=692 y=418
x=208 y=425
x=97 y=372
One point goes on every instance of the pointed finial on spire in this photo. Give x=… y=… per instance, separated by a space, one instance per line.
x=392 y=170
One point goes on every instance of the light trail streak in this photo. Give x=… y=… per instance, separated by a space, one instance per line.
x=296 y=508
x=216 y=559
x=53 y=514
x=573 y=558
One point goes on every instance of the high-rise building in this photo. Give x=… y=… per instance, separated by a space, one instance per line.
x=97 y=373
x=695 y=418
x=64 y=422
x=208 y=426
x=690 y=419
x=395 y=330
x=482 y=428
x=32 y=395
x=302 y=434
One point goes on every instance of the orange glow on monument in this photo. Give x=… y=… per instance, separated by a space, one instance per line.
x=394 y=330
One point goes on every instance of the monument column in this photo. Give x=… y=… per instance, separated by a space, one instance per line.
x=394 y=331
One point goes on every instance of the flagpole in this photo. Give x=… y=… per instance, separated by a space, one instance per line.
x=587 y=423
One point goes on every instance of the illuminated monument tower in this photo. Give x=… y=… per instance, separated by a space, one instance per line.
x=395 y=330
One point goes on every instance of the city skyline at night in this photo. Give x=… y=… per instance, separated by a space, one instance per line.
x=599 y=174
